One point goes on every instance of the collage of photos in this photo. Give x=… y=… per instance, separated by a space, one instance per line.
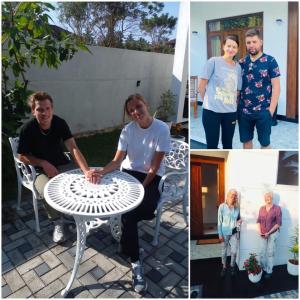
x=150 y=149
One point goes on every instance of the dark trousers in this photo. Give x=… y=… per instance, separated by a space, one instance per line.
x=212 y=123
x=145 y=211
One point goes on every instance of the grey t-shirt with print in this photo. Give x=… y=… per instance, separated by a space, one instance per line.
x=223 y=82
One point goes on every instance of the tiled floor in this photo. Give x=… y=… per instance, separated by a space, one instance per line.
x=284 y=135
x=293 y=294
x=203 y=251
x=33 y=266
x=211 y=251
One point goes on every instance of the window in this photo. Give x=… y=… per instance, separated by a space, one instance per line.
x=217 y=30
x=288 y=168
x=240 y=22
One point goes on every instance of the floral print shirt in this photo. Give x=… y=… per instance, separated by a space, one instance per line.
x=256 y=91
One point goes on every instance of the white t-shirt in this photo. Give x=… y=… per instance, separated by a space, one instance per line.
x=141 y=144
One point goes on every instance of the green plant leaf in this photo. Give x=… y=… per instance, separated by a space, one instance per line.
x=23 y=21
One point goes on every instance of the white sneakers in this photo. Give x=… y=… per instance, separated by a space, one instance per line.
x=138 y=281
x=58 y=232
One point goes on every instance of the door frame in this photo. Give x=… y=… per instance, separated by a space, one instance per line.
x=240 y=32
x=196 y=194
x=292 y=62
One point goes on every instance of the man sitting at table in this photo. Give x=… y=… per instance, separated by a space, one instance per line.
x=41 y=145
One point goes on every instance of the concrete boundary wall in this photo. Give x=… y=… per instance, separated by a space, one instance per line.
x=89 y=91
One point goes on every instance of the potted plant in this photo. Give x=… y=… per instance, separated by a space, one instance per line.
x=292 y=265
x=253 y=268
x=166 y=109
x=176 y=130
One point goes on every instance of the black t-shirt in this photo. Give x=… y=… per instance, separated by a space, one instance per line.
x=47 y=145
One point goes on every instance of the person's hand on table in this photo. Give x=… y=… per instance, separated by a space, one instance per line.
x=93 y=175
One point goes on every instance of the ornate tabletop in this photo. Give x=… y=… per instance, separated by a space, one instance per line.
x=70 y=193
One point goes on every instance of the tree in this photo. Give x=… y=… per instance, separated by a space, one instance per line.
x=106 y=23
x=158 y=28
x=141 y=44
x=27 y=38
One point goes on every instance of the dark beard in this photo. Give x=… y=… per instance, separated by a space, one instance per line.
x=253 y=53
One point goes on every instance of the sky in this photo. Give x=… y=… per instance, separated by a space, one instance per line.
x=170 y=7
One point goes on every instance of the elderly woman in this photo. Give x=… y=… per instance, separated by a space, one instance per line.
x=269 y=221
x=228 y=220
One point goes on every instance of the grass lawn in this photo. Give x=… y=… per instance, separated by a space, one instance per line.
x=100 y=148
x=97 y=149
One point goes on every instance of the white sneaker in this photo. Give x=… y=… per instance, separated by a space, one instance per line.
x=138 y=281
x=58 y=232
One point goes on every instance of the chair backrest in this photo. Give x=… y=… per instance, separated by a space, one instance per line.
x=178 y=157
x=14 y=142
x=25 y=173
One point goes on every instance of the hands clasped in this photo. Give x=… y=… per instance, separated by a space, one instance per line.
x=94 y=175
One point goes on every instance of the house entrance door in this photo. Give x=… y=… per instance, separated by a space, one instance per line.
x=218 y=29
x=207 y=193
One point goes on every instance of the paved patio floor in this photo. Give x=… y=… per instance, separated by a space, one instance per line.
x=283 y=136
x=33 y=266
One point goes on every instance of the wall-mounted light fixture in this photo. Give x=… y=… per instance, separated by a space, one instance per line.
x=279 y=21
x=194 y=32
x=204 y=189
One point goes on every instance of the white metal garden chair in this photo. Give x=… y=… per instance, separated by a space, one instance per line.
x=173 y=186
x=26 y=175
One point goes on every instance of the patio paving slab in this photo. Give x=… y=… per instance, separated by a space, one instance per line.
x=33 y=266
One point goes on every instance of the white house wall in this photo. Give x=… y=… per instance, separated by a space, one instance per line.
x=181 y=58
x=251 y=172
x=89 y=91
x=275 y=36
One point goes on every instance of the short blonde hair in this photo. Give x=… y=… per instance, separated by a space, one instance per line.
x=268 y=192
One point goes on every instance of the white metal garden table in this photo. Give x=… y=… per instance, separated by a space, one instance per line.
x=89 y=203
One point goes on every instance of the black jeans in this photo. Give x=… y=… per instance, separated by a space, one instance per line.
x=145 y=211
x=212 y=123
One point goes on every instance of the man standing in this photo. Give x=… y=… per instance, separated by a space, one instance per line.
x=41 y=145
x=259 y=94
x=269 y=221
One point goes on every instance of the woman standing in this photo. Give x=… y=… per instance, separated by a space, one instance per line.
x=228 y=222
x=144 y=141
x=269 y=221
x=220 y=82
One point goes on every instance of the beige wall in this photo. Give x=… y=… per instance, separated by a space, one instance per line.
x=89 y=91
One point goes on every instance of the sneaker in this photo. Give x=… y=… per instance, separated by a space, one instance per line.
x=58 y=232
x=232 y=271
x=138 y=281
x=223 y=272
